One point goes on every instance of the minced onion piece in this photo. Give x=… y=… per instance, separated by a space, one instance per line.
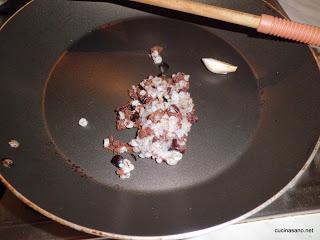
x=83 y=122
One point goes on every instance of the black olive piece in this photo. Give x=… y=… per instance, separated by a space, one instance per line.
x=143 y=100
x=6 y=162
x=117 y=160
x=177 y=147
x=174 y=145
x=163 y=67
x=132 y=107
x=133 y=156
x=134 y=117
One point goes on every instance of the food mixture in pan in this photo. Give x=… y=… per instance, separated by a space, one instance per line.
x=162 y=110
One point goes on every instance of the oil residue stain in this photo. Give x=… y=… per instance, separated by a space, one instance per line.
x=77 y=169
x=74 y=167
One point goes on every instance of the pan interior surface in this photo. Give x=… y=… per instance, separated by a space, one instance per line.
x=257 y=127
x=93 y=77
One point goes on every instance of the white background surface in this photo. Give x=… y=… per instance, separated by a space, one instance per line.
x=265 y=229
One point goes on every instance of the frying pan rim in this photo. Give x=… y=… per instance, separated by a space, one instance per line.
x=176 y=236
x=55 y=218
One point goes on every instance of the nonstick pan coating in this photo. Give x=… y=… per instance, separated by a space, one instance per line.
x=62 y=60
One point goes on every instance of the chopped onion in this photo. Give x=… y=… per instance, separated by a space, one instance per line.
x=83 y=122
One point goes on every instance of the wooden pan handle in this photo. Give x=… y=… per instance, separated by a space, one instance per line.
x=206 y=10
x=265 y=23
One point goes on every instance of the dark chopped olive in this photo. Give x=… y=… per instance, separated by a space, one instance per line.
x=174 y=144
x=163 y=67
x=117 y=160
x=134 y=117
x=133 y=156
x=6 y=162
x=177 y=147
x=132 y=107
x=143 y=99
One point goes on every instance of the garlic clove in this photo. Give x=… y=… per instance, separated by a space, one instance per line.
x=217 y=66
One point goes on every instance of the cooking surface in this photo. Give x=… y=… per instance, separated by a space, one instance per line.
x=18 y=220
x=102 y=61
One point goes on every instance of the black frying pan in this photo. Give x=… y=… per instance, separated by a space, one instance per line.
x=257 y=127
